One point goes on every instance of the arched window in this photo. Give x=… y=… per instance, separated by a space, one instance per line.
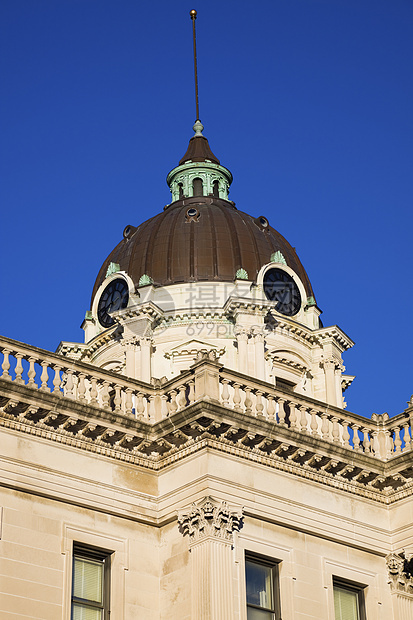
x=181 y=190
x=215 y=189
x=198 y=187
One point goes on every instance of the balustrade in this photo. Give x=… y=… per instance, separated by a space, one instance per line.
x=341 y=428
x=48 y=372
x=51 y=373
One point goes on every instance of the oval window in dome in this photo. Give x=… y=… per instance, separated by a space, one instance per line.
x=192 y=214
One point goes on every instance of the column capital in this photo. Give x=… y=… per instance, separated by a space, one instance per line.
x=242 y=333
x=400 y=569
x=210 y=518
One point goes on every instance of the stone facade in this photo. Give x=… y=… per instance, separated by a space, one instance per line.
x=179 y=480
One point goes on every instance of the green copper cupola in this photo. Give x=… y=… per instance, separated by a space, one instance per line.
x=199 y=172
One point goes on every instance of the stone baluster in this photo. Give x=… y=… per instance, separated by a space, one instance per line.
x=237 y=397
x=303 y=419
x=336 y=430
x=68 y=390
x=19 y=368
x=151 y=408
x=325 y=427
x=366 y=440
x=314 y=422
x=406 y=438
x=81 y=387
x=375 y=443
x=356 y=438
x=128 y=401
x=248 y=401
x=270 y=407
x=140 y=406
x=105 y=395
x=346 y=435
x=57 y=382
x=281 y=411
x=164 y=406
x=93 y=395
x=117 y=401
x=6 y=365
x=191 y=394
x=173 y=405
x=225 y=393
x=388 y=444
x=31 y=373
x=397 y=440
x=293 y=415
x=259 y=407
x=182 y=397
x=44 y=377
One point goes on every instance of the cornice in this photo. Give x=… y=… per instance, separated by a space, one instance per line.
x=203 y=425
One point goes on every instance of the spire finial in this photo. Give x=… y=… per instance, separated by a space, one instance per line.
x=198 y=127
x=193 y=17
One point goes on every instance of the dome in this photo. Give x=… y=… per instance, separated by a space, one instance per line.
x=202 y=238
x=201 y=235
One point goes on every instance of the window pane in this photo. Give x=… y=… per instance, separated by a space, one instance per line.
x=259 y=614
x=259 y=585
x=346 y=605
x=88 y=580
x=80 y=612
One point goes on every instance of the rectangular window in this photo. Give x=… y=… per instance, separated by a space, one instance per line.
x=348 y=601
x=90 y=583
x=261 y=577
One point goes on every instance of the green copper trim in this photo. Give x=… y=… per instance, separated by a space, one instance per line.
x=278 y=257
x=241 y=274
x=180 y=179
x=113 y=268
x=145 y=279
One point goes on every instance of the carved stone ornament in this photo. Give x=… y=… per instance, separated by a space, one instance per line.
x=210 y=518
x=278 y=257
x=113 y=268
x=400 y=567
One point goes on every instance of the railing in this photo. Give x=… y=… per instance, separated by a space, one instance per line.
x=87 y=384
x=381 y=437
x=44 y=371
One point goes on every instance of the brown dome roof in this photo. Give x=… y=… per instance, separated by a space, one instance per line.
x=211 y=245
x=199 y=150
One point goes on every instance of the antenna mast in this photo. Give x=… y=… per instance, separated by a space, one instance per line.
x=193 y=17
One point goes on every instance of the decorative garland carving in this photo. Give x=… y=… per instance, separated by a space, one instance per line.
x=400 y=567
x=210 y=518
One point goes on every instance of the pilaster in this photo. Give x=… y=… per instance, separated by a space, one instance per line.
x=241 y=334
x=210 y=526
x=400 y=569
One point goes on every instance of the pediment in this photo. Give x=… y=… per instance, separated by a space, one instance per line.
x=191 y=348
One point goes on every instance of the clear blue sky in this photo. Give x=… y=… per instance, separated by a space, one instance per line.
x=308 y=102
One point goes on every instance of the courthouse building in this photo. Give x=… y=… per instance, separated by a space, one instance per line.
x=193 y=458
